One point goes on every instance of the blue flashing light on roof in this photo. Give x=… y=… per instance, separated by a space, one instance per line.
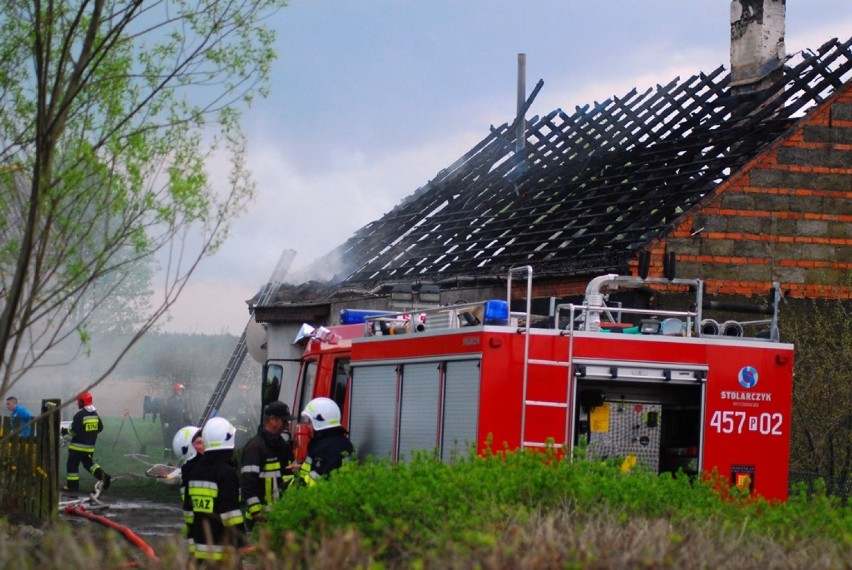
x=496 y=313
x=357 y=316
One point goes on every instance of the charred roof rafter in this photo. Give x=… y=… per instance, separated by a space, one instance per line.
x=591 y=187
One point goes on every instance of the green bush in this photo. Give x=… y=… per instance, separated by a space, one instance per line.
x=503 y=510
x=424 y=505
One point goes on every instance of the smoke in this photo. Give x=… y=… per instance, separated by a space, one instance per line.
x=326 y=269
x=150 y=369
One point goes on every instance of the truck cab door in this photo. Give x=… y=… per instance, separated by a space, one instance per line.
x=302 y=430
x=340 y=387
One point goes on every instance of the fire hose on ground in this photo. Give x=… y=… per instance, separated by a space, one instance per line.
x=132 y=537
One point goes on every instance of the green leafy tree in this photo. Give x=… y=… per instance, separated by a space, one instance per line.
x=110 y=112
x=822 y=395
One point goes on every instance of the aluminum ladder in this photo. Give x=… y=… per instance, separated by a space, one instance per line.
x=240 y=351
x=529 y=405
x=566 y=403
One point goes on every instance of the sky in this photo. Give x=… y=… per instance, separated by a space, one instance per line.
x=370 y=99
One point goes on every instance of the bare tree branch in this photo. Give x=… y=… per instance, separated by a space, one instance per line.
x=109 y=110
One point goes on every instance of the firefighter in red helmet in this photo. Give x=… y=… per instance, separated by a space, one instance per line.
x=174 y=416
x=84 y=431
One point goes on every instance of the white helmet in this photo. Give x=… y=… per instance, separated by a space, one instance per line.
x=323 y=412
x=218 y=433
x=182 y=443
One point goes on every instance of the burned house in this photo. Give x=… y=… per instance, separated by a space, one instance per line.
x=739 y=177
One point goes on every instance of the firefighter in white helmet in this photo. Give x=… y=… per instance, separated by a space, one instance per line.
x=188 y=447
x=329 y=446
x=212 y=502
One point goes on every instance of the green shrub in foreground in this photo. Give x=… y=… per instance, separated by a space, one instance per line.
x=508 y=510
x=427 y=504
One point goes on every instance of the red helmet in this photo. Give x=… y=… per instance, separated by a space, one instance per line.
x=84 y=399
x=178 y=388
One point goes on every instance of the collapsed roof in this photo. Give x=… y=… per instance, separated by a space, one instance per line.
x=588 y=189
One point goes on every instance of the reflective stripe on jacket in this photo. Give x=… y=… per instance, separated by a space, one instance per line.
x=263 y=477
x=212 y=506
x=84 y=430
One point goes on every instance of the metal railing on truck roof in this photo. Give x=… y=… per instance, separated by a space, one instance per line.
x=490 y=312
x=595 y=314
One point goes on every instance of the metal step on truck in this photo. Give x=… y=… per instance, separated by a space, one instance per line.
x=672 y=390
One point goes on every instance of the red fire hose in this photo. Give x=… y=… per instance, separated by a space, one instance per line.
x=132 y=537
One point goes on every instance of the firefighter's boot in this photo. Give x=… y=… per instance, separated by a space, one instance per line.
x=72 y=484
x=103 y=476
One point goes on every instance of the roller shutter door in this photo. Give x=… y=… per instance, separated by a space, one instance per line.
x=372 y=411
x=418 y=424
x=461 y=408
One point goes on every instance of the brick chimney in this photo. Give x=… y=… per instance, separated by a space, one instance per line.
x=757 y=44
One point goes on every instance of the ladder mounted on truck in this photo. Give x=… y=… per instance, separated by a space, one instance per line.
x=240 y=351
x=595 y=315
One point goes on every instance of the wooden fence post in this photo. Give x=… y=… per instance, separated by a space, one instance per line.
x=48 y=444
x=29 y=466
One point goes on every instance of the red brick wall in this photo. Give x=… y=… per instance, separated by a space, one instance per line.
x=786 y=216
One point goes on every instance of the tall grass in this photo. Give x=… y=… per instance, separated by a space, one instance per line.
x=506 y=510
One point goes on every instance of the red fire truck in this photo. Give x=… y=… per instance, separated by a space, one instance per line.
x=668 y=389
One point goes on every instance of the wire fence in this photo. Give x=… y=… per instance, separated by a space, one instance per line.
x=840 y=487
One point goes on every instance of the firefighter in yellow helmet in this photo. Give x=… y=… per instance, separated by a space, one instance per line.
x=329 y=447
x=84 y=431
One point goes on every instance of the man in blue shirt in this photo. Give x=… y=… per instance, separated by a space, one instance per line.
x=20 y=415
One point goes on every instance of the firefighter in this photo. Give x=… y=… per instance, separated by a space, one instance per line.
x=20 y=416
x=174 y=415
x=265 y=458
x=188 y=447
x=329 y=447
x=212 y=501
x=84 y=431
